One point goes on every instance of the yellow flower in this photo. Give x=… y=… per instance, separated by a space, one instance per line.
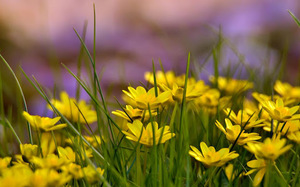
x=145 y=136
x=209 y=157
x=283 y=127
x=73 y=169
x=287 y=91
x=29 y=150
x=43 y=123
x=280 y=112
x=50 y=161
x=294 y=136
x=142 y=98
x=47 y=144
x=134 y=113
x=15 y=176
x=95 y=140
x=229 y=172
x=66 y=153
x=260 y=166
x=73 y=110
x=91 y=174
x=193 y=91
x=231 y=86
x=4 y=162
x=242 y=117
x=270 y=149
x=232 y=132
x=167 y=78
x=49 y=177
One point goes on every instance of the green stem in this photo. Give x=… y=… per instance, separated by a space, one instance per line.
x=280 y=174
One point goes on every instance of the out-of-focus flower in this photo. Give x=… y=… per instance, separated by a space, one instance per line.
x=73 y=110
x=95 y=140
x=134 y=113
x=145 y=136
x=229 y=172
x=209 y=157
x=91 y=174
x=43 y=123
x=50 y=161
x=280 y=112
x=287 y=91
x=193 y=91
x=47 y=144
x=232 y=132
x=16 y=176
x=73 y=169
x=49 y=177
x=294 y=136
x=231 y=86
x=66 y=153
x=259 y=165
x=142 y=98
x=283 y=127
x=4 y=162
x=270 y=149
x=167 y=78
x=242 y=117
x=29 y=150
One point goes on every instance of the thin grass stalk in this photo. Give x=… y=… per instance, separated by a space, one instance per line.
x=22 y=94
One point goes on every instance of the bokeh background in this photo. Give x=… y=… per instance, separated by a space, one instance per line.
x=39 y=36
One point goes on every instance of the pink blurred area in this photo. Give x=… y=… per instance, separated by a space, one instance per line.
x=39 y=35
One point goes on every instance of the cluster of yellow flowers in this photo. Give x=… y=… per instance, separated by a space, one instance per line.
x=60 y=158
x=53 y=161
x=280 y=117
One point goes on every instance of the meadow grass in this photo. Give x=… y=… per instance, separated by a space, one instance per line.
x=152 y=137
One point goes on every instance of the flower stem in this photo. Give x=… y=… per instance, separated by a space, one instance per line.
x=280 y=174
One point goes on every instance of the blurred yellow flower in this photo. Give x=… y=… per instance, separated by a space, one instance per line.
x=4 y=162
x=50 y=161
x=287 y=91
x=280 y=112
x=91 y=174
x=259 y=165
x=66 y=153
x=283 y=127
x=29 y=150
x=134 y=113
x=167 y=78
x=145 y=136
x=232 y=132
x=270 y=149
x=294 y=136
x=16 y=176
x=73 y=110
x=49 y=177
x=231 y=86
x=142 y=98
x=242 y=117
x=209 y=157
x=43 y=123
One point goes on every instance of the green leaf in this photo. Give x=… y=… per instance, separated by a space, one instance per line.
x=295 y=18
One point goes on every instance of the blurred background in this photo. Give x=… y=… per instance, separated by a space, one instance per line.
x=39 y=36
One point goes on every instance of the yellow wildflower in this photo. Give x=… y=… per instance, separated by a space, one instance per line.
x=134 y=113
x=50 y=161
x=167 y=78
x=193 y=91
x=43 y=123
x=294 y=136
x=209 y=157
x=49 y=177
x=283 y=127
x=270 y=149
x=242 y=117
x=142 y=98
x=280 y=112
x=66 y=153
x=95 y=140
x=4 y=162
x=145 y=136
x=73 y=169
x=231 y=86
x=287 y=91
x=73 y=110
x=91 y=174
x=232 y=132
x=259 y=165
x=47 y=144
x=29 y=150
x=15 y=176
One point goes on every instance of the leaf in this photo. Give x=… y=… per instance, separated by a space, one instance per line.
x=295 y=18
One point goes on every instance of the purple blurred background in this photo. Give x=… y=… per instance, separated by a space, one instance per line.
x=39 y=36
